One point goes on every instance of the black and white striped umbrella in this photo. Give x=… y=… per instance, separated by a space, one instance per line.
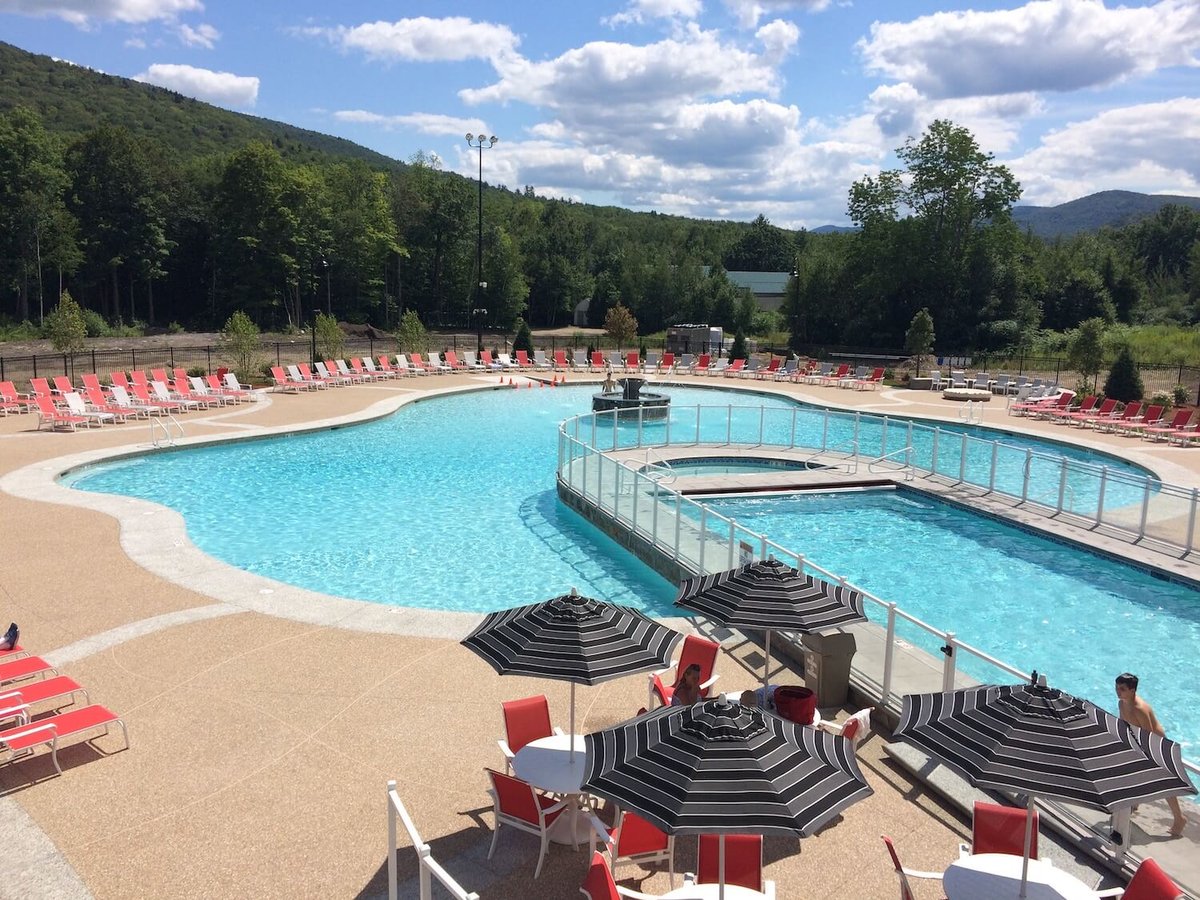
x=771 y=595
x=1039 y=741
x=723 y=768
x=573 y=638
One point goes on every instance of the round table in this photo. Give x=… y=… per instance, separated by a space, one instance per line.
x=547 y=764
x=967 y=394
x=997 y=876
x=711 y=892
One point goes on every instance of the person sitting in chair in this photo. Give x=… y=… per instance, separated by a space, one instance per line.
x=687 y=688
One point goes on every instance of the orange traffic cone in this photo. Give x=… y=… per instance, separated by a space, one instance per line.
x=510 y=381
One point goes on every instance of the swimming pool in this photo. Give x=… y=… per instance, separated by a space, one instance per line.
x=732 y=465
x=1079 y=618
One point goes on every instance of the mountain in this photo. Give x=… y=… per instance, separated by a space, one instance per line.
x=73 y=100
x=834 y=229
x=1095 y=211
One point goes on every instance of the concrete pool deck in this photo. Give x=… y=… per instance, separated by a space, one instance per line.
x=265 y=726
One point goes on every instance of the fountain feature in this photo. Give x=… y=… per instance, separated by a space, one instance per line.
x=630 y=399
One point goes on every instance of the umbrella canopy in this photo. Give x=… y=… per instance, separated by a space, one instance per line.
x=771 y=595
x=573 y=638
x=718 y=767
x=1039 y=741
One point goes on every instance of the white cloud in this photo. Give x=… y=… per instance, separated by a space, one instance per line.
x=135 y=43
x=222 y=88
x=749 y=12
x=83 y=12
x=900 y=111
x=426 y=123
x=203 y=35
x=1150 y=148
x=422 y=39
x=1046 y=45
x=639 y=11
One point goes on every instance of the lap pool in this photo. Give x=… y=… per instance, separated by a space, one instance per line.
x=450 y=504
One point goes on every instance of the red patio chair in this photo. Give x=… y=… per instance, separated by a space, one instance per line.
x=597 y=364
x=743 y=862
x=702 y=364
x=50 y=414
x=906 y=892
x=668 y=363
x=525 y=720
x=635 y=840
x=1000 y=829
x=516 y=803
x=1152 y=416
x=12 y=399
x=697 y=650
x=1162 y=432
x=523 y=360
x=24 y=739
x=560 y=361
x=632 y=364
x=598 y=884
x=1149 y=882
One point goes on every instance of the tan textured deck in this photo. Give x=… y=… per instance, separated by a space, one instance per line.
x=261 y=745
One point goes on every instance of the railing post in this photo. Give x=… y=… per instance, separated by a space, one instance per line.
x=948 y=665
x=654 y=518
x=889 y=649
x=962 y=461
x=732 y=542
x=616 y=437
x=857 y=420
x=703 y=536
x=883 y=443
x=641 y=419
x=792 y=442
x=1145 y=509
x=587 y=452
x=729 y=425
x=1025 y=479
x=995 y=459
x=600 y=481
x=762 y=424
x=637 y=494
x=678 y=521
x=1100 y=497
x=1062 y=484
x=1191 y=538
x=392 y=886
x=762 y=546
x=697 y=441
x=593 y=441
x=937 y=434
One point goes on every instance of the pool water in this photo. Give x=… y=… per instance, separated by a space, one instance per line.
x=733 y=466
x=1079 y=618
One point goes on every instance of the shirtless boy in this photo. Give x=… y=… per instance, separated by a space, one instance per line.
x=1136 y=711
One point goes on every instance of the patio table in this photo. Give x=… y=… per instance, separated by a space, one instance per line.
x=997 y=876
x=547 y=764
x=711 y=892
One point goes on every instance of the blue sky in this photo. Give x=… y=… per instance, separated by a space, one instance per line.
x=707 y=108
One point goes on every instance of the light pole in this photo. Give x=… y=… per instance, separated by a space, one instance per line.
x=328 y=301
x=480 y=143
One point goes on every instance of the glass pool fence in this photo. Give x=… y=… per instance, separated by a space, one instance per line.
x=636 y=493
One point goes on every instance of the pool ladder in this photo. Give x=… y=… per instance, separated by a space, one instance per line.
x=161 y=434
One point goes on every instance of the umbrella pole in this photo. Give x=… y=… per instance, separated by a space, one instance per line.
x=1030 y=808
x=571 y=755
x=721 y=870
x=766 y=669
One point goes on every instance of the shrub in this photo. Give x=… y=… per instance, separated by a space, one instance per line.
x=96 y=326
x=1181 y=395
x=411 y=334
x=330 y=339
x=738 y=349
x=620 y=325
x=18 y=331
x=241 y=340
x=197 y=371
x=65 y=325
x=1161 y=398
x=918 y=340
x=176 y=328
x=523 y=339
x=1124 y=382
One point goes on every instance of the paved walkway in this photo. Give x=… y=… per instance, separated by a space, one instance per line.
x=266 y=721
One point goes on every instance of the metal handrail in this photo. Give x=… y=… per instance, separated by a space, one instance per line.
x=428 y=866
x=907 y=468
x=166 y=432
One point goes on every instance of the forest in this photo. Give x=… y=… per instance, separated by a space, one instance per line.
x=144 y=233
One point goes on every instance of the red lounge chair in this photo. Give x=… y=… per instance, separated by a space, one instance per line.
x=50 y=414
x=1186 y=435
x=454 y=362
x=360 y=370
x=632 y=363
x=387 y=368
x=523 y=361
x=598 y=884
x=597 y=364
x=214 y=386
x=525 y=720
x=139 y=377
x=22 y=740
x=1086 y=408
x=1000 y=829
x=906 y=891
x=100 y=403
x=668 y=363
x=771 y=369
x=327 y=374
x=735 y=368
x=19 y=669
x=560 y=361
x=1149 y=882
x=285 y=384
x=743 y=862
x=695 y=650
x=1128 y=414
x=1152 y=416
x=1163 y=432
x=141 y=393
x=40 y=388
x=516 y=803
x=13 y=400
x=703 y=362
x=871 y=382
x=338 y=368
x=1043 y=406
x=184 y=392
x=834 y=377
x=1102 y=413
x=119 y=379
x=32 y=692
x=63 y=386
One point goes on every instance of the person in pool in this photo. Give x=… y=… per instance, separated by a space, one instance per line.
x=609 y=385
x=1136 y=711
x=687 y=688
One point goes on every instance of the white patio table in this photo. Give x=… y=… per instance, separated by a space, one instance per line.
x=997 y=876
x=547 y=764
x=711 y=892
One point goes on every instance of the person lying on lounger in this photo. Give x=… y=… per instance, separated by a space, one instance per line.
x=10 y=637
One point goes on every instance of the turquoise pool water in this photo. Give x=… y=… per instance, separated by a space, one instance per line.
x=732 y=466
x=1079 y=618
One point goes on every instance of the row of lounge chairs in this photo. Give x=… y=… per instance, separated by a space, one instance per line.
x=65 y=407
x=1134 y=419
x=1002 y=384
x=32 y=697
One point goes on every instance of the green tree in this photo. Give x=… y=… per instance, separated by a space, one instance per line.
x=241 y=340
x=65 y=326
x=363 y=236
x=620 y=325
x=411 y=334
x=763 y=248
x=918 y=340
x=737 y=349
x=1085 y=349
x=329 y=337
x=523 y=339
x=1124 y=381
